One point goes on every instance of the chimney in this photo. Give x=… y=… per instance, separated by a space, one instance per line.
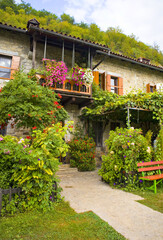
x=33 y=22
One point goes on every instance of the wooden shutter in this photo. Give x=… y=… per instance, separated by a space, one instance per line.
x=15 y=65
x=103 y=81
x=108 y=82
x=148 y=87
x=120 y=86
x=96 y=77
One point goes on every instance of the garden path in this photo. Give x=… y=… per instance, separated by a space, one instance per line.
x=85 y=191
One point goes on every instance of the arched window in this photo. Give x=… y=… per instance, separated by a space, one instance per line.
x=59 y=85
x=83 y=88
x=68 y=86
x=76 y=87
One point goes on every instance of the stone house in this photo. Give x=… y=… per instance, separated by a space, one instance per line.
x=112 y=72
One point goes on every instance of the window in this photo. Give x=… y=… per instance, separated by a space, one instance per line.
x=114 y=85
x=150 y=88
x=108 y=82
x=5 y=67
x=99 y=79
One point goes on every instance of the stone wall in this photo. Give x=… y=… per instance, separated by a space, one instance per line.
x=135 y=77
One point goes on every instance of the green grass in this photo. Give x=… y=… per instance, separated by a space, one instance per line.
x=62 y=222
x=152 y=200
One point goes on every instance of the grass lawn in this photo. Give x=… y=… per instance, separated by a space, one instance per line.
x=152 y=200
x=60 y=223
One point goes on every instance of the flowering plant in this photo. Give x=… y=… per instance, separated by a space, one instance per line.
x=82 y=153
x=55 y=71
x=81 y=75
x=126 y=147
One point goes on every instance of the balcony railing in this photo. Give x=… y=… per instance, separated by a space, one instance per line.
x=71 y=86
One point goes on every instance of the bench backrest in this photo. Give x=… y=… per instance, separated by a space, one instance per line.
x=150 y=166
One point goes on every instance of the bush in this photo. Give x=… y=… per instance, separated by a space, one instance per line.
x=159 y=146
x=34 y=167
x=126 y=147
x=82 y=153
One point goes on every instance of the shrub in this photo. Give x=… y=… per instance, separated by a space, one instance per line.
x=34 y=167
x=126 y=147
x=82 y=153
x=159 y=146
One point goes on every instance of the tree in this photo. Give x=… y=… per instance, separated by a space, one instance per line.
x=68 y=18
x=28 y=104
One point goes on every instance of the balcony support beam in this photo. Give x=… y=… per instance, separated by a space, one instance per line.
x=45 y=46
x=89 y=57
x=63 y=50
x=73 y=55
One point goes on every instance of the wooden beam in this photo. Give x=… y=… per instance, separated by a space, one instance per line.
x=73 y=55
x=63 y=49
x=45 y=46
x=34 y=52
x=89 y=57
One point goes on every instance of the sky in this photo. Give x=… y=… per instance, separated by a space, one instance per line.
x=143 y=18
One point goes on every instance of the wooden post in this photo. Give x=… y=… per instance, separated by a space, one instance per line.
x=10 y=194
x=34 y=51
x=63 y=50
x=91 y=61
x=128 y=117
x=89 y=57
x=45 y=46
x=73 y=55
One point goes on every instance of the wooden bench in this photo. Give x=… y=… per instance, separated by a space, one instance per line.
x=147 y=167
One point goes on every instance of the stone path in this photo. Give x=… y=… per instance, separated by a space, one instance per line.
x=85 y=191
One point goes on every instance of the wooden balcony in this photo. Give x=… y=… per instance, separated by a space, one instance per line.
x=71 y=92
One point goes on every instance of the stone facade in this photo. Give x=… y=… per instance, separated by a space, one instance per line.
x=134 y=76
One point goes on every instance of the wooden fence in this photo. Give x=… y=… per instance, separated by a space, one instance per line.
x=11 y=191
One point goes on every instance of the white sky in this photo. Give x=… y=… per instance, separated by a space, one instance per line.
x=143 y=18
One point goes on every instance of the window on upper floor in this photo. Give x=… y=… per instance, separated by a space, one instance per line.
x=5 y=67
x=150 y=88
x=8 y=65
x=108 y=82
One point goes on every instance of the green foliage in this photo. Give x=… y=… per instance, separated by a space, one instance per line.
x=32 y=168
x=126 y=147
x=82 y=153
x=27 y=104
x=19 y=14
x=105 y=102
x=159 y=146
x=148 y=136
x=11 y=153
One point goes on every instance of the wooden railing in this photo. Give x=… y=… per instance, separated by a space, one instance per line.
x=71 y=86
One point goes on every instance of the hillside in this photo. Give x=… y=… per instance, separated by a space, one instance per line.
x=18 y=15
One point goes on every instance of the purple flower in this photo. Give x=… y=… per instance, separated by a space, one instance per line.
x=124 y=156
x=114 y=184
x=142 y=161
x=127 y=146
x=1 y=139
x=140 y=180
x=130 y=136
x=50 y=197
x=128 y=141
x=119 y=133
x=38 y=159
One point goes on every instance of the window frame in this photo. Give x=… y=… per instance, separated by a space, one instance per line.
x=2 y=55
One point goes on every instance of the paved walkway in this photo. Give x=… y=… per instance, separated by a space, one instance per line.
x=85 y=191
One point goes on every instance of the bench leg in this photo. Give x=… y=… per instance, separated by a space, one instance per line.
x=155 y=188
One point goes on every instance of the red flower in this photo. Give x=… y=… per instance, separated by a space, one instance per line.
x=28 y=137
x=9 y=115
x=36 y=95
x=56 y=103
x=40 y=119
x=59 y=95
x=34 y=128
x=1 y=90
x=33 y=95
x=59 y=107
